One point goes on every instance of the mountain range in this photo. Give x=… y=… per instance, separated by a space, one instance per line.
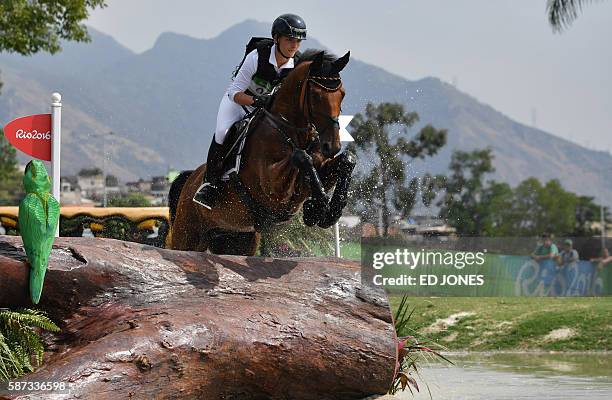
x=161 y=106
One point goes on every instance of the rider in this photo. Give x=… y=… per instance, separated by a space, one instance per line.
x=261 y=70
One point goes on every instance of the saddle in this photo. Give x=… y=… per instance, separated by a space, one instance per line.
x=235 y=141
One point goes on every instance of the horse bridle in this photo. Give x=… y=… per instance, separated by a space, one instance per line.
x=333 y=121
x=307 y=106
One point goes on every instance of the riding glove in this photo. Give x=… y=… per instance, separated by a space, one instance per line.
x=261 y=100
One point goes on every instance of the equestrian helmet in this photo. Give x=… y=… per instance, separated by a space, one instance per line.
x=290 y=25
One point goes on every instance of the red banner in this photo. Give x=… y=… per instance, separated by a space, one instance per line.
x=31 y=134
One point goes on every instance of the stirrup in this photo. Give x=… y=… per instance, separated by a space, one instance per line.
x=199 y=192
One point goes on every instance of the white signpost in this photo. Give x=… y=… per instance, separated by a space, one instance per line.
x=345 y=136
x=56 y=141
x=40 y=136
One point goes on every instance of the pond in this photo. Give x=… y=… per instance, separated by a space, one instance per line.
x=516 y=376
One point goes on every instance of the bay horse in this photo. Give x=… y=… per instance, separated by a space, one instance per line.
x=290 y=159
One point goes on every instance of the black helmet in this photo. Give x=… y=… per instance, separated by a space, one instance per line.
x=289 y=25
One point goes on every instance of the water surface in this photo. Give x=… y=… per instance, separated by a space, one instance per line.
x=517 y=376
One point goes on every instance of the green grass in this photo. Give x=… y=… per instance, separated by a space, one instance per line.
x=350 y=250
x=514 y=323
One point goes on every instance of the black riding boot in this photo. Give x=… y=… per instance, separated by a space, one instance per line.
x=209 y=190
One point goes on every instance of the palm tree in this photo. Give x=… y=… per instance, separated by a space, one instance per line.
x=561 y=13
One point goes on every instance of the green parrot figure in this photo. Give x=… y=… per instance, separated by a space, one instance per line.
x=39 y=214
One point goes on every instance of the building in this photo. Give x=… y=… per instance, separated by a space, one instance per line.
x=160 y=186
x=141 y=186
x=71 y=194
x=91 y=185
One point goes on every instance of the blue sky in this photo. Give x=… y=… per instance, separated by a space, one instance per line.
x=502 y=52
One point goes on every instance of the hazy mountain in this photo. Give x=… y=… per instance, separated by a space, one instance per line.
x=162 y=105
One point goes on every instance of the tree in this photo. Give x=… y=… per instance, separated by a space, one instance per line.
x=28 y=27
x=496 y=209
x=550 y=208
x=164 y=322
x=384 y=187
x=87 y=172
x=8 y=158
x=11 y=189
x=463 y=204
x=559 y=208
x=31 y=26
x=134 y=199
x=534 y=215
x=526 y=206
x=561 y=13
x=586 y=213
x=474 y=207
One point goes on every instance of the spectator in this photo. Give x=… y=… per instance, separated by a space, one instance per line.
x=546 y=250
x=603 y=260
x=568 y=254
x=600 y=262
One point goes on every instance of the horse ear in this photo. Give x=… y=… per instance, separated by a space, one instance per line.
x=317 y=62
x=340 y=63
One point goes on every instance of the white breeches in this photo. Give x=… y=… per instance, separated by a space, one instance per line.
x=229 y=112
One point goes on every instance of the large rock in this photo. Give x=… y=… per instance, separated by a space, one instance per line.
x=142 y=322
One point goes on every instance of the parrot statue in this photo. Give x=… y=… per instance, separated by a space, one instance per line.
x=39 y=214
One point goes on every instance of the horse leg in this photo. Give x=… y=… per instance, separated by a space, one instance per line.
x=234 y=243
x=316 y=208
x=182 y=235
x=339 y=170
x=190 y=228
x=204 y=242
x=251 y=244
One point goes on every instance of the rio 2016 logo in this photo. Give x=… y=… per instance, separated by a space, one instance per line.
x=34 y=134
x=31 y=134
x=545 y=279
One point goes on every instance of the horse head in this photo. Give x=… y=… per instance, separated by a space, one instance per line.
x=313 y=94
x=323 y=98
